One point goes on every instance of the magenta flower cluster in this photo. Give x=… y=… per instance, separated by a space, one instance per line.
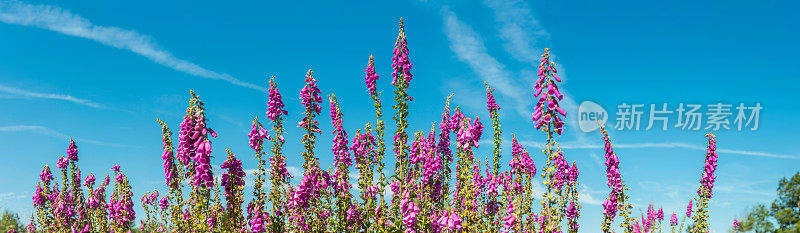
x=614 y=180
x=372 y=77
x=491 y=103
x=72 y=151
x=257 y=135
x=310 y=94
x=707 y=180
x=400 y=62
x=275 y=105
x=547 y=110
x=233 y=177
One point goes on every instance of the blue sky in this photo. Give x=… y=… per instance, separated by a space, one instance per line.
x=102 y=71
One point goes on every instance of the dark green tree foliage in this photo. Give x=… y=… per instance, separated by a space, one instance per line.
x=9 y=221
x=786 y=207
x=783 y=216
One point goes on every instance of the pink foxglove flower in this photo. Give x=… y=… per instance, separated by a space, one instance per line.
x=257 y=135
x=610 y=206
x=46 y=176
x=673 y=220
x=707 y=180
x=689 y=209
x=62 y=163
x=72 y=151
x=233 y=177
x=510 y=219
x=310 y=94
x=547 y=110
x=168 y=155
x=275 y=104
x=410 y=211
x=163 y=203
x=400 y=62
x=90 y=180
x=371 y=76
x=341 y=153
x=491 y=103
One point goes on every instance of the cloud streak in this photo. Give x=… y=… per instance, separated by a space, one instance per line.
x=518 y=28
x=54 y=134
x=29 y=94
x=470 y=49
x=571 y=145
x=65 y=22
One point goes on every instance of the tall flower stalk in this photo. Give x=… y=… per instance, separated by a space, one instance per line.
x=309 y=212
x=257 y=215
x=547 y=117
x=706 y=186
x=492 y=107
x=402 y=78
x=279 y=175
x=173 y=175
x=194 y=150
x=233 y=184
x=346 y=216
x=446 y=127
x=379 y=131
x=617 y=200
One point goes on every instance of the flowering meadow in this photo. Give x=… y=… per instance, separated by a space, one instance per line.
x=439 y=183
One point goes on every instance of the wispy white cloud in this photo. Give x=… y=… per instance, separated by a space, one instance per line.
x=518 y=28
x=581 y=145
x=522 y=35
x=588 y=196
x=33 y=128
x=55 y=19
x=469 y=48
x=9 y=197
x=6 y=196
x=745 y=187
x=30 y=94
x=599 y=161
x=55 y=134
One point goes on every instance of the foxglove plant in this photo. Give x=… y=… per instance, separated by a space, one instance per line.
x=233 y=184
x=673 y=222
x=492 y=107
x=309 y=213
x=467 y=185
x=194 y=151
x=363 y=147
x=546 y=111
x=173 y=174
x=345 y=210
x=617 y=199
x=547 y=117
x=688 y=215
x=446 y=126
x=257 y=216
x=120 y=204
x=401 y=80
x=706 y=186
x=379 y=219
x=154 y=215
